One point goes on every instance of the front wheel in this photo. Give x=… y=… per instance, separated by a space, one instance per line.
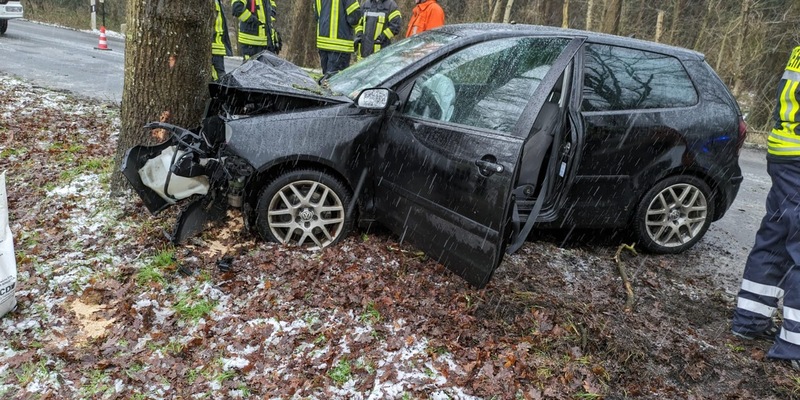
x=674 y=214
x=304 y=208
x=3 y=26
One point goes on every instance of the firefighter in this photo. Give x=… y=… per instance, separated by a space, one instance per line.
x=772 y=270
x=336 y=20
x=220 y=43
x=427 y=14
x=257 y=26
x=379 y=24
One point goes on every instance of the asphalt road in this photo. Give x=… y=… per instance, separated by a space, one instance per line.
x=67 y=60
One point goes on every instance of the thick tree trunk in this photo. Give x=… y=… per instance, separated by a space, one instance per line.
x=611 y=16
x=167 y=63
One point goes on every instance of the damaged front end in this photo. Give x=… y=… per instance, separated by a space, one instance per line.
x=185 y=165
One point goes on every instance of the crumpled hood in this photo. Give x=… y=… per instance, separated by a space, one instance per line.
x=272 y=74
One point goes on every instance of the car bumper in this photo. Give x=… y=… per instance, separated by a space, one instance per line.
x=10 y=11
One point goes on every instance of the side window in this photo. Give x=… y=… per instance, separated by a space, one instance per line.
x=486 y=85
x=618 y=78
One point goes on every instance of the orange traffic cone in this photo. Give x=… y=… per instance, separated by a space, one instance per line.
x=103 y=45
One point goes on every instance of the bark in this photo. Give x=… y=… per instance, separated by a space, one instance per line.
x=167 y=63
x=300 y=44
x=737 y=72
x=507 y=15
x=659 y=26
x=712 y=5
x=676 y=21
x=496 y=10
x=589 y=9
x=611 y=16
x=565 y=15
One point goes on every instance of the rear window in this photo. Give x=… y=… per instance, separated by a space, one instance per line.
x=618 y=78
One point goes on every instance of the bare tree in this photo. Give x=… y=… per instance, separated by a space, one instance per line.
x=589 y=10
x=611 y=16
x=744 y=17
x=167 y=63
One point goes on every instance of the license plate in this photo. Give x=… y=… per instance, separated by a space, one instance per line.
x=13 y=9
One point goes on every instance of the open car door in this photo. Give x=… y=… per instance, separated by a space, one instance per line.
x=447 y=159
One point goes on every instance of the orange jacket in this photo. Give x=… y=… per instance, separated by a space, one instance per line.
x=426 y=15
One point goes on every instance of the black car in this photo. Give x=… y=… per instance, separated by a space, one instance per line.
x=458 y=140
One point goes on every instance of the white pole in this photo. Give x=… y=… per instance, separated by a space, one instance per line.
x=94 y=14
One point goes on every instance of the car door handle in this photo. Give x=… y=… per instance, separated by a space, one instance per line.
x=488 y=167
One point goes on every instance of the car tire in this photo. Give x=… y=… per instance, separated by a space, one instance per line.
x=304 y=207
x=674 y=214
x=3 y=26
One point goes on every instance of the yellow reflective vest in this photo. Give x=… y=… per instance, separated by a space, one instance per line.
x=256 y=22
x=784 y=139
x=220 y=43
x=335 y=22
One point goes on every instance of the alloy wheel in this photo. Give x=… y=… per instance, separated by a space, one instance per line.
x=676 y=215
x=306 y=212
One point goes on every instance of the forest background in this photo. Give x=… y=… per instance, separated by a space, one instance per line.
x=746 y=42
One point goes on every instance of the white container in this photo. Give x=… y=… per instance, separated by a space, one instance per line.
x=154 y=175
x=8 y=262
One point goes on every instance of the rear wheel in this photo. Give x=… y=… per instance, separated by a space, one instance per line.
x=3 y=26
x=674 y=214
x=305 y=208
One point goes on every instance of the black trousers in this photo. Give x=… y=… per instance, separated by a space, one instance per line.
x=218 y=67
x=333 y=61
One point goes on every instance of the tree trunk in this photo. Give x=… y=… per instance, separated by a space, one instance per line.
x=611 y=16
x=301 y=46
x=737 y=74
x=704 y=25
x=589 y=8
x=565 y=15
x=167 y=64
x=507 y=15
x=496 y=10
x=659 y=26
x=676 y=22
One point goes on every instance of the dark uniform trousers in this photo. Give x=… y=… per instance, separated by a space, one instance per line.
x=333 y=61
x=772 y=270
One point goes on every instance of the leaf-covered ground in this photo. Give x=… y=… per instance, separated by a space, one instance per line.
x=108 y=309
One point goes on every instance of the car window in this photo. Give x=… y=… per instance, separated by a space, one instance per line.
x=377 y=68
x=618 y=78
x=486 y=85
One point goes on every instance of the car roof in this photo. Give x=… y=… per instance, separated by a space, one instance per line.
x=492 y=29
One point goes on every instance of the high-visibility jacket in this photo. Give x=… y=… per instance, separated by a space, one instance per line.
x=257 y=23
x=380 y=22
x=784 y=139
x=335 y=22
x=220 y=42
x=426 y=15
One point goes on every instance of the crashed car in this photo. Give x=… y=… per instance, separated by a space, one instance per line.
x=460 y=140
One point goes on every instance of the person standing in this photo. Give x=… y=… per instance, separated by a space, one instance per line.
x=379 y=24
x=427 y=14
x=256 y=26
x=772 y=270
x=220 y=43
x=336 y=20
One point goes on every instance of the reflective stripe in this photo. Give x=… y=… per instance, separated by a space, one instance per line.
x=245 y=15
x=761 y=289
x=755 y=307
x=374 y=14
x=350 y=9
x=394 y=14
x=334 y=24
x=791 y=313
x=791 y=337
x=388 y=33
x=343 y=45
x=791 y=75
x=788 y=102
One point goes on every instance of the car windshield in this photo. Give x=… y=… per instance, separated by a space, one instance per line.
x=380 y=66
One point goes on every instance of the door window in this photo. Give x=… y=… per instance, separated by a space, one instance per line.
x=486 y=85
x=618 y=78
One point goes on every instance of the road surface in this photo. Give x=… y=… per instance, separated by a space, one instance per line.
x=66 y=59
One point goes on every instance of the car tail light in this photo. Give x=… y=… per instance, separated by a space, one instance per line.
x=742 y=134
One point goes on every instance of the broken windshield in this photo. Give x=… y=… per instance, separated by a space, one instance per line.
x=377 y=68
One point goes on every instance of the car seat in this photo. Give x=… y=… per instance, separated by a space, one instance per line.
x=444 y=93
x=536 y=149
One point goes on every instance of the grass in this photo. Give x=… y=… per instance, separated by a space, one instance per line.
x=341 y=372
x=371 y=315
x=153 y=271
x=191 y=308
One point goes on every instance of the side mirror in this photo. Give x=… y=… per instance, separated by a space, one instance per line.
x=376 y=99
